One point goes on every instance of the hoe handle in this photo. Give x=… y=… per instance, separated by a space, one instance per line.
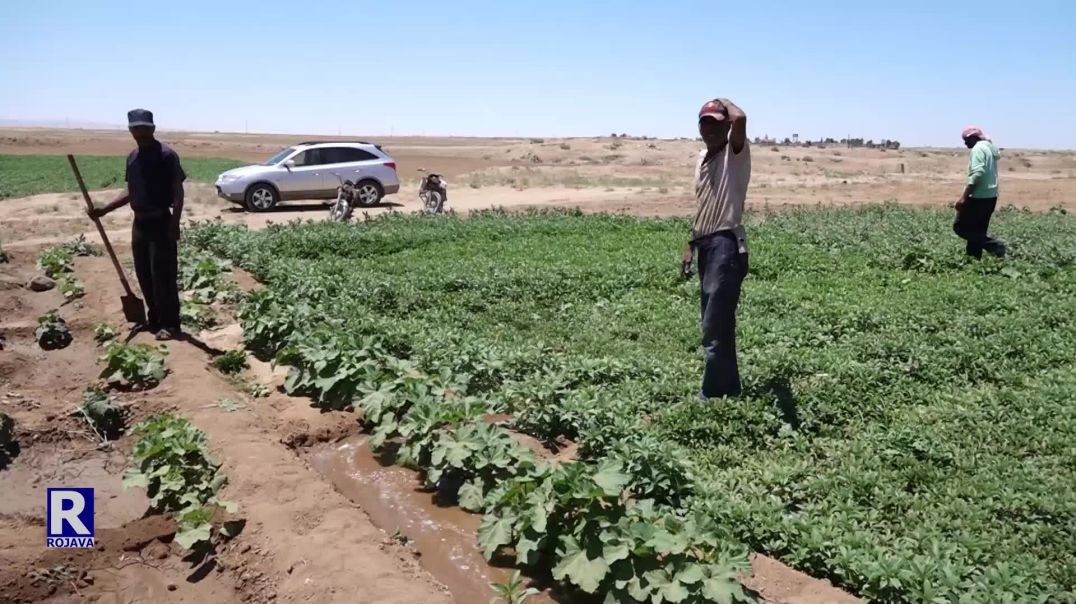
x=100 y=227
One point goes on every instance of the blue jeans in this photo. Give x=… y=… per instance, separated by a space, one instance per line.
x=722 y=269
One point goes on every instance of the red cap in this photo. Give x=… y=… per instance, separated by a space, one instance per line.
x=715 y=110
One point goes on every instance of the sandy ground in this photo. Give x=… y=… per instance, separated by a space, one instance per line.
x=305 y=541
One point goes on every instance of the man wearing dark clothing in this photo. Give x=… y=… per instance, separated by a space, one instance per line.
x=155 y=193
x=722 y=174
x=980 y=198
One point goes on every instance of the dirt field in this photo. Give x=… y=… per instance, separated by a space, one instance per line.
x=645 y=177
x=305 y=541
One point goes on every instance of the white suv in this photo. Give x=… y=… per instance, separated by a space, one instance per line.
x=312 y=170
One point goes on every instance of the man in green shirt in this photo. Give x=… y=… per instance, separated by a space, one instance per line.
x=980 y=197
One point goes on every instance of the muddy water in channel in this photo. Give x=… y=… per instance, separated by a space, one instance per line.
x=446 y=537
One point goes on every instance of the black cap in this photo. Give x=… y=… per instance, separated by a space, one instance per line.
x=139 y=117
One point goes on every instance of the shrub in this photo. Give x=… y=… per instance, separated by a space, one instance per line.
x=171 y=461
x=102 y=413
x=81 y=247
x=103 y=333
x=55 y=261
x=231 y=362
x=70 y=287
x=52 y=332
x=135 y=367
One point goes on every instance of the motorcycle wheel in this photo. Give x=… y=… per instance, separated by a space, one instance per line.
x=341 y=210
x=432 y=202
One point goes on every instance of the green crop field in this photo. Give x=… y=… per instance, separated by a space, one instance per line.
x=22 y=175
x=908 y=427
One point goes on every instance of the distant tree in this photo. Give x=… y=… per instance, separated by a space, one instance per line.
x=787 y=141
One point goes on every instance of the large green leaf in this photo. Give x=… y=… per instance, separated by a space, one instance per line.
x=666 y=542
x=616 y=550
x=527 y=550
x=493 y=533
x=135 y=479
x=723 y=590
x=576 y=566
x=471 y=496
x=611 y=478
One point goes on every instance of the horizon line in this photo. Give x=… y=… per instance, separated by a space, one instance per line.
x=6 y=123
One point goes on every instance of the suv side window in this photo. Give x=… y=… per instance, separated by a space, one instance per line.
x=311 y=157
x=344 y=155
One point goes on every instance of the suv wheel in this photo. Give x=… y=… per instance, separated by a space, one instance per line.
x=261 y=197
x=369 y=193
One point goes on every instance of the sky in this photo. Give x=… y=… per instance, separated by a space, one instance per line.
x=916 y=71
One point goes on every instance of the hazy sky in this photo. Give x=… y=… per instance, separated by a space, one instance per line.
x=913 y=70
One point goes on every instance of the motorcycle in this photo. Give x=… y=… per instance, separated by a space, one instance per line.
x=433 y=192
x=346 y=200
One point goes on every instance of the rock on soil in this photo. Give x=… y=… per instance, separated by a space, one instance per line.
x=40 y=283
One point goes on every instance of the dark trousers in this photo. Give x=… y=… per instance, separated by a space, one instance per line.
x=972 y=223
x=722 y=269
x=157 y=266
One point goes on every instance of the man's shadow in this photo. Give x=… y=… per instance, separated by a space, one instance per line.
x=183 y=337
x=779 y=390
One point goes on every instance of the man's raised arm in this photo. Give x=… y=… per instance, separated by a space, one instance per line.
x=738 y=127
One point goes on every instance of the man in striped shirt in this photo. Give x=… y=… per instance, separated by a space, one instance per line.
x=718 y=237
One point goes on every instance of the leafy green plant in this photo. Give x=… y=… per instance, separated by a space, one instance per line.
x=103 y=333
x=56 y=261
x=81 y=247
x=52 y=332
x=105 y=417
x=231 y=362
x=574 y=517
x=136 y=366
x=512 y=591
x=196 y=315
x=70 y=287
x=171 y=461
x=202 y=277
x=333 y=369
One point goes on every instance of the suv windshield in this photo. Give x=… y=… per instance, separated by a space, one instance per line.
x=276 y=159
